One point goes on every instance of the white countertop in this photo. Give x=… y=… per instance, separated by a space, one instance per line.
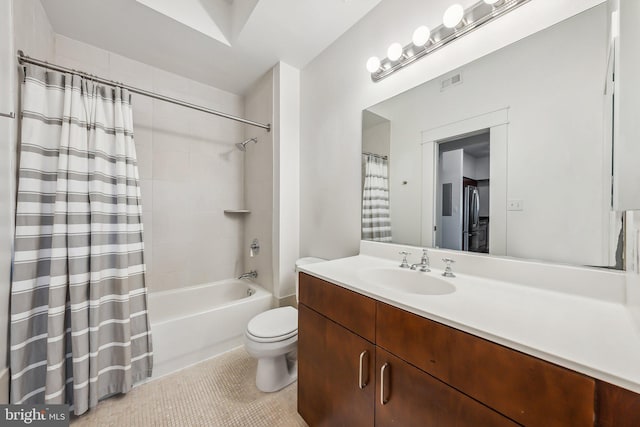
x=595 y=337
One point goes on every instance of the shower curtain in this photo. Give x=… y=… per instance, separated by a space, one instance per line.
x=376 y=221
x=79 y=326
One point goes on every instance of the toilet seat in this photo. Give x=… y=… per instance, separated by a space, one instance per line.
x=271 y=339
x=273 y=325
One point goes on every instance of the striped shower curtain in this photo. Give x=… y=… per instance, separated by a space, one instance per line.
x=79 y=327
x=376 y=222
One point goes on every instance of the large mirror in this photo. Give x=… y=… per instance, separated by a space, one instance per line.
x=508 y=155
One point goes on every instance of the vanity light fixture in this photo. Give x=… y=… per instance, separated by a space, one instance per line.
x=373 y=64
x=456 y=22
x=421 y=36
x=394 y=52
x=453 y=16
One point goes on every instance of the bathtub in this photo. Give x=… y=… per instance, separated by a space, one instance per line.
x=189 y=325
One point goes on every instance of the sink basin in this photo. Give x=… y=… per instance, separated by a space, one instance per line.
x=407 y=281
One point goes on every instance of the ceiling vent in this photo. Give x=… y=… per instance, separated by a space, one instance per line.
x=451 y=81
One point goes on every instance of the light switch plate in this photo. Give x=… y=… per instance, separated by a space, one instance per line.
x=515 y=205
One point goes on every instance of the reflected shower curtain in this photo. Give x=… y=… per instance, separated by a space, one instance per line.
x=79 y=326
x=376 y=221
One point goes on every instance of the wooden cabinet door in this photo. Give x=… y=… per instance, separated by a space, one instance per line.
x=616 y=407
x=330 y=375
x=528 y=390
x=414 y=398
x=347 y=308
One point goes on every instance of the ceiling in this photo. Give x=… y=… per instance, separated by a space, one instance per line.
x=227 y=44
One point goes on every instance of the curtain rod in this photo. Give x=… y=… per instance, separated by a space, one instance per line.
x=380 y=156
x=22 y=58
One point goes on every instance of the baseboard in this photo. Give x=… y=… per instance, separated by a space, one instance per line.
x=289 y=300
x=4 y=386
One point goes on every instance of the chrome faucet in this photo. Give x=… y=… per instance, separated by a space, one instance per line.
x=447 y=271
x=404 y=254
x=250 y=275
x=424 y=263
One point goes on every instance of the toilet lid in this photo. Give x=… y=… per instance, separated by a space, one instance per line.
x=277 y=323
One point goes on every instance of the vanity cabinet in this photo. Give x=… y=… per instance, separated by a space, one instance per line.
x=528 y=390
x=340 y=370
x=336 y=371
x=616 y=407
x=408 y=397
x=350 y=309
x=334 y=387
x=362 y=362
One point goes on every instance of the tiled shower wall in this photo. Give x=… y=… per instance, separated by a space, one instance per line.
x=259 y=181
x=189 y=169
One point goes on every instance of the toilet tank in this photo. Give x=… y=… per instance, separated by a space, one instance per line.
x=305 y=261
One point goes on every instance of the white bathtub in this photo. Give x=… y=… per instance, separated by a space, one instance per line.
x=192 y=324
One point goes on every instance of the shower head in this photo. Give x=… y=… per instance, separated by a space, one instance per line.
x=242 y=146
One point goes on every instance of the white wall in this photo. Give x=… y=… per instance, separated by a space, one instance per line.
x=32 y=30
x=336 y=87
x=482 y=167
x=7 y=58
x=552 y=84
x=376 y=139
x=286 y=174
x=469 y=166
x=627 y=100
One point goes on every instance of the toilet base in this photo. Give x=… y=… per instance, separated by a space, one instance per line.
x=275 y=373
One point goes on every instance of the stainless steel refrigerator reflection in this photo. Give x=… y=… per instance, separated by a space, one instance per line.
x=470 y=218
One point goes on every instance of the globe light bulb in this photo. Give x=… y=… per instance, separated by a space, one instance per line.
x=373 y=64
x=453 y=16
x=394 y=52
x=421 y=36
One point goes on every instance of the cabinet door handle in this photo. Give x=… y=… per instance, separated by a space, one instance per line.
x=383 y=396
x=362 y=382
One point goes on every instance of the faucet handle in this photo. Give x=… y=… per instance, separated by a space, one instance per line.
x=404 y=254
x=447 y=271
x=424 y=262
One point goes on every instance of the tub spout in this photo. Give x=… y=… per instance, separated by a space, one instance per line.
x=250 y=275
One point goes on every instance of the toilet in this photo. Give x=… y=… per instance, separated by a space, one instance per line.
x=272 y=338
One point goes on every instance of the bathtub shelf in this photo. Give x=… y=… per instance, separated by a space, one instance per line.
x=237 y=211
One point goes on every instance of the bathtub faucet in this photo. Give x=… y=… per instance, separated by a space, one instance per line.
x=250 y=275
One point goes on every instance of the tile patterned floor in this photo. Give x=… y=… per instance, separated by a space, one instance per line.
x=219 y=392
